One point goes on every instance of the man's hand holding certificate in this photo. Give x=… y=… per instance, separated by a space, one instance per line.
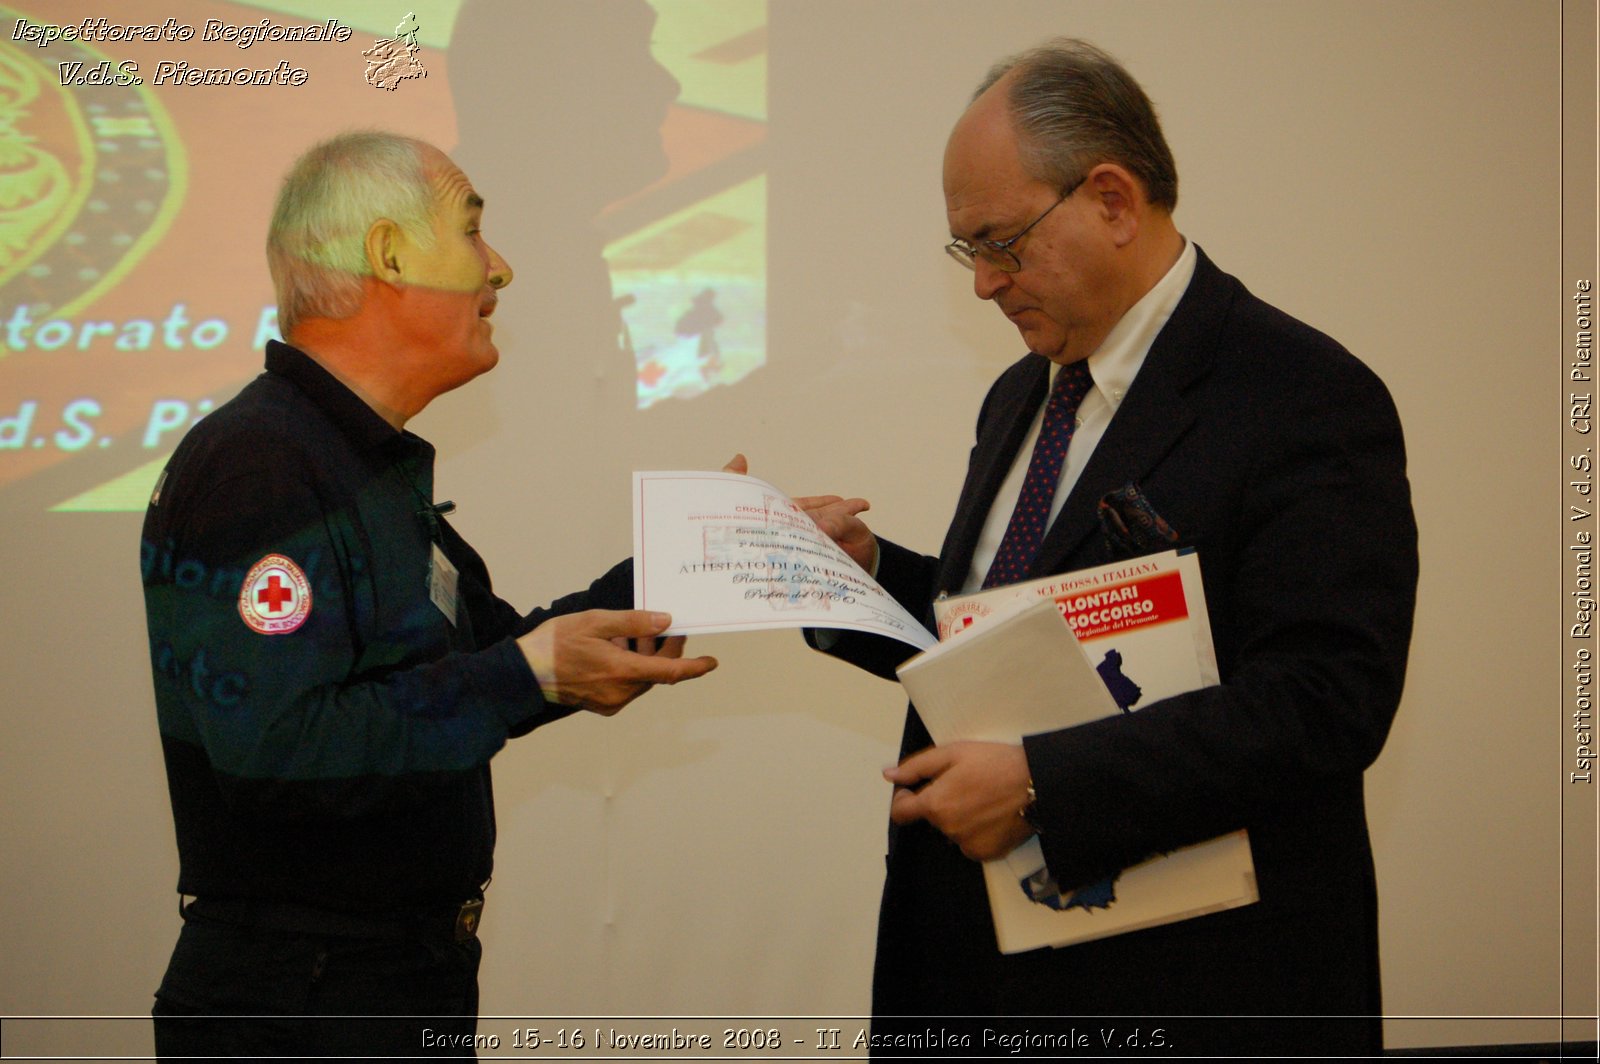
x=724 y=552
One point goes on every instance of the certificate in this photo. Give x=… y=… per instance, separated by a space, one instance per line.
x=728 y=553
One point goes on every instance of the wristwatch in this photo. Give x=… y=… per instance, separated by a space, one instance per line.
x=1030 y=812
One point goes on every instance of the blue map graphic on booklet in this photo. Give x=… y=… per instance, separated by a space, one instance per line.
x=1039 y=886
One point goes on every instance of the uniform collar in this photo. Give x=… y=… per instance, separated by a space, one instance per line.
x=362 y=424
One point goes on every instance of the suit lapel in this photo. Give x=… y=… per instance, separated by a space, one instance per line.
x=1152 y=417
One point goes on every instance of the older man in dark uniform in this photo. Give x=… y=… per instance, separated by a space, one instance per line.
x=333 y=670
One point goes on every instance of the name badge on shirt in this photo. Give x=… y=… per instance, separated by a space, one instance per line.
x=442 y=578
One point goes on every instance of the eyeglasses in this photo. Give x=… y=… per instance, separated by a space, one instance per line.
x=998 y=253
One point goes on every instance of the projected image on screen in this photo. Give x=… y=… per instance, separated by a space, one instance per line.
x=692 y=285
x=141 y=143
x=642 y=244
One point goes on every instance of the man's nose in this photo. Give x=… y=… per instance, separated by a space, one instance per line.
x=499 y=270
x=988 y=280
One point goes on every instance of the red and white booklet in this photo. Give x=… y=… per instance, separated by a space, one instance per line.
x=1007 y=666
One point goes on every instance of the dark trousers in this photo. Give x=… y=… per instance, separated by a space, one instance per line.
x=234 y=991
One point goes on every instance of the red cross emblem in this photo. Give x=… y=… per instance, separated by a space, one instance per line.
x=959 y=617
x=275 y=597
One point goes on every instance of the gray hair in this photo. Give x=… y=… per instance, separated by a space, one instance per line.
x=1075 y=107
x=316 y=244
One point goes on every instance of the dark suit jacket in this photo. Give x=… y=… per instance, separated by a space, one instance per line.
x=1275 y=453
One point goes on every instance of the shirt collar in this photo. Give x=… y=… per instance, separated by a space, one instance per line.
x=1116 y=361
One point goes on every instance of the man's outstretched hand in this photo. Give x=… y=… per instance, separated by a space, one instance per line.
x=588 y=660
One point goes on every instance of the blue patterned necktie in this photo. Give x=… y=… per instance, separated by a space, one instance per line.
x=1027 y=527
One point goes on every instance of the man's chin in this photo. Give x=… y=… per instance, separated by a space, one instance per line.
x=481 y=364
x=485 y=353
x=1043 y=346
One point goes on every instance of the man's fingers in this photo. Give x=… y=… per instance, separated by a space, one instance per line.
x=601 y=660
x=816 y=502
x=737 y=464
x=673 y=670
x=850 y=507
x=970 y=791
x=925 y=764
x=908 y=803
x=906 y=806
x=627 y=624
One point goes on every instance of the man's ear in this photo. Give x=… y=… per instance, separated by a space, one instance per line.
x=384 y=247
x=1120 y=198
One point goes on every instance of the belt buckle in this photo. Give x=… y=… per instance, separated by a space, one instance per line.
x=467 y=919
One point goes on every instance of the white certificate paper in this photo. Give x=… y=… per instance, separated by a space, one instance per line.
x=729 y=553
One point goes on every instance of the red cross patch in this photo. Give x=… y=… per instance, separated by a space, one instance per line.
x=275 y=597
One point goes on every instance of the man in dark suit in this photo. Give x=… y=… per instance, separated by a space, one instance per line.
x=1221 y=424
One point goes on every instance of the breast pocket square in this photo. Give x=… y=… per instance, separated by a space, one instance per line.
x=1131 y=525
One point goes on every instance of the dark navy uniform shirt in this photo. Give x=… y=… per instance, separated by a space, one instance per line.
x=327 y=729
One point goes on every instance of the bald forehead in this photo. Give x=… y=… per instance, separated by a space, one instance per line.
x=985 y=131
x=993 y=102
x=985 y=181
